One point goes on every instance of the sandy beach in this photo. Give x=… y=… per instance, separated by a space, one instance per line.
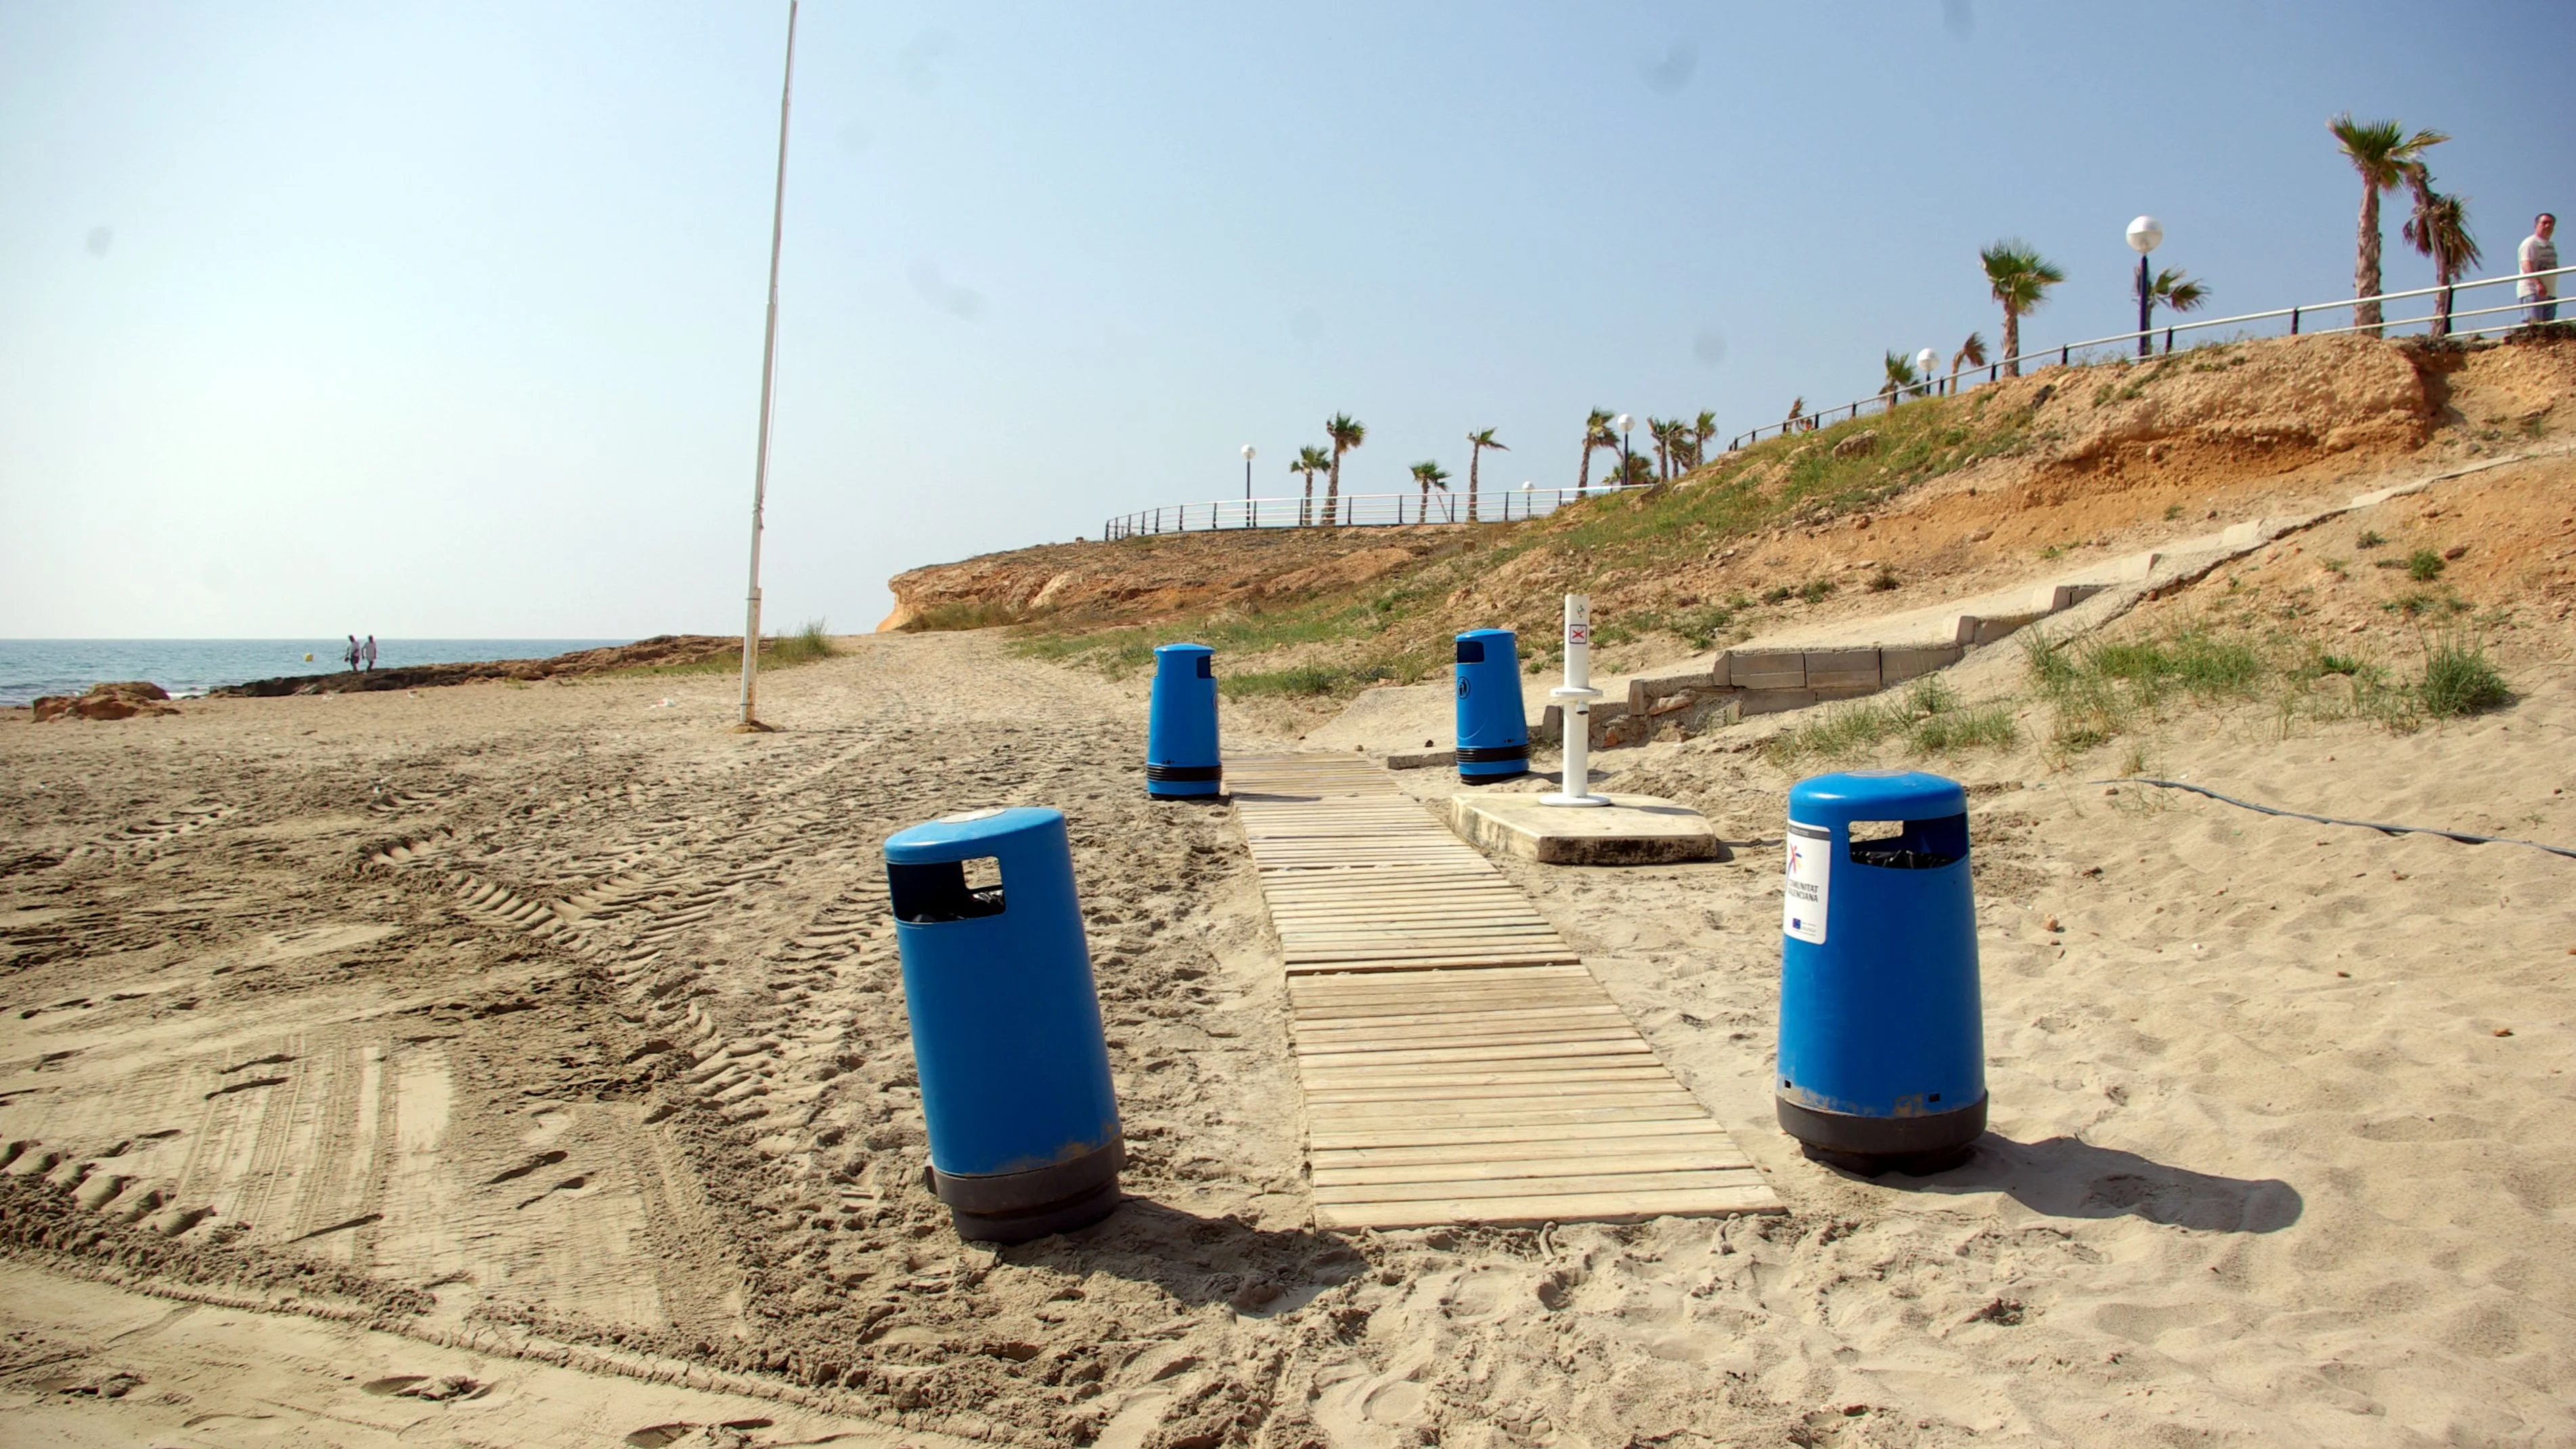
x=556 y=1032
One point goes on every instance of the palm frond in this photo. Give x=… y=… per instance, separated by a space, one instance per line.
x=2177 y=291
x=2439 y=229
x=2382 y=151
x=2018 y=275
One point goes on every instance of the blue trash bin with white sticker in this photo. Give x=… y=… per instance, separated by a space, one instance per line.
x=1180 y=732
x=1014 y=1066
x=1493 y=729
x=1882 y=1045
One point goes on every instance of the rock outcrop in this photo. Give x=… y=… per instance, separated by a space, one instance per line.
x=106 y=701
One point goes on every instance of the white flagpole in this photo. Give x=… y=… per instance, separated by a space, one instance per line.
x=768 y=370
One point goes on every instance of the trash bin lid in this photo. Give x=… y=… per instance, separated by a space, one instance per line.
x=1487 y=634
x=1181 y=650
x=1839 y=799
x=969 y=834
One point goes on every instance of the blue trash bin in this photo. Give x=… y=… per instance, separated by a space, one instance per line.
x=1024 y=1135
x=1180 y=734
x=1882 y=1046
x=1493 y=732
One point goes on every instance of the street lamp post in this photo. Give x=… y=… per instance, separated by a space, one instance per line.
x=1924 y=362
x=1623 y=423
x=1247 y=485
x=2144 y=233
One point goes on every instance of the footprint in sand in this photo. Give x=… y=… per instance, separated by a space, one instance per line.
x=255 y=1082
x=438 y=1389
x=569 y=1184
x=542 y=1159
x=659 y=1436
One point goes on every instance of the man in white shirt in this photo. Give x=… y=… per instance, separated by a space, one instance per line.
x=2539 y=254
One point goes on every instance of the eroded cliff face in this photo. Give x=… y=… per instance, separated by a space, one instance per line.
x=2084 y=454
x=1157 y=576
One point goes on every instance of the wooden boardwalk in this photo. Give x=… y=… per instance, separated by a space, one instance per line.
x=1458 y=1061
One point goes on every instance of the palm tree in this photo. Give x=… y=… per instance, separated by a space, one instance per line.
x=1660 y=431
x=1477 y=443
x=1311 y=460
x=2386 y=157
x=1797 y=411
x=1900 y=379
x=1346 y=433
x=1430 y=475
x=1596 y=434
x=2440 y=230
x=1702 y=430
x=1635 y=472
x=1971 y=353
x=2020 y=278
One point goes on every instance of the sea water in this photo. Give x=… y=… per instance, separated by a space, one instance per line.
x=32 y=667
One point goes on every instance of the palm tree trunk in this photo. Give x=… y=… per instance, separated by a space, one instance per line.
x=1306 y=510
x=2012 y=343
x=1474 y=455
x=1583 y=479
x=1333 y=490
x=2365 y=262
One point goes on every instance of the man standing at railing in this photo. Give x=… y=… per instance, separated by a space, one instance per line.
x=2539 y=254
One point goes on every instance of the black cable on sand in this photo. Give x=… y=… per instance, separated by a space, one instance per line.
x=2461 y=836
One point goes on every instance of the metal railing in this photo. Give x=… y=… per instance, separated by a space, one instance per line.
x=2067 y=354
x=1352 y=510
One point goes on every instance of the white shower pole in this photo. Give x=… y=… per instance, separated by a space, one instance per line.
x=1574 y=698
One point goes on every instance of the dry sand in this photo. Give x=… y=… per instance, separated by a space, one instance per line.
x=549 y=1037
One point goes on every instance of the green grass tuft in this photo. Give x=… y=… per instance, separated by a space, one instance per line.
x=2458 y=680
x=1927 y=715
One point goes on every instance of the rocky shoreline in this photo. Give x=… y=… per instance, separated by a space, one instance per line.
x=661 y=649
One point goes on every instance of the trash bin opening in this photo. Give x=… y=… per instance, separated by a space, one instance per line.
x=1909 y=844
x=1207 y=666
x=1471 y=651
x=926 y=894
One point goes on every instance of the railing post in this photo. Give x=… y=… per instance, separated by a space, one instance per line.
x=2064 y=358
x=2168 y=340
x=2294 y=321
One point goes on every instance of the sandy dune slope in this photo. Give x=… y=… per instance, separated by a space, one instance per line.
x=550 y=1037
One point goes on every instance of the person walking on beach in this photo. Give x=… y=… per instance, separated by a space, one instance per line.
x=369 y=651
x=2539 y=254
x=350 y=654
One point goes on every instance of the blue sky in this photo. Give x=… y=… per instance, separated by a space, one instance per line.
x=446 y=320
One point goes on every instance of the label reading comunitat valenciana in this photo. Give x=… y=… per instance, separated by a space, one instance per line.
x=1811 y=849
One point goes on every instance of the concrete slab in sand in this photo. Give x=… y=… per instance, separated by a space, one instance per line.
x=1630 y=830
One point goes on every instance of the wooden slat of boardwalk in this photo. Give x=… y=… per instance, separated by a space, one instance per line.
x=1459 y=1063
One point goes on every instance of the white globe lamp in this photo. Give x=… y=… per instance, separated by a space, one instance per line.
x=2144 y=233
